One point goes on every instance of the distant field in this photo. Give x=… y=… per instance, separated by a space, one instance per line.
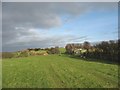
x=62 y=50
x=54 y=71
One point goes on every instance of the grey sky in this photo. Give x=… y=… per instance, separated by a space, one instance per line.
x=25 y=25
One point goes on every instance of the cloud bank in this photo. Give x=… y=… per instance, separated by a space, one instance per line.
x=25 y=24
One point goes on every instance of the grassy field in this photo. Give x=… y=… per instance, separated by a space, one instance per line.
x=62 y=50
x=0 y=73
x=54 y=71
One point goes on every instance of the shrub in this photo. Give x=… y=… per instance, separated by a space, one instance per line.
x=53 y=50
x=23 y=54
x=7 y=55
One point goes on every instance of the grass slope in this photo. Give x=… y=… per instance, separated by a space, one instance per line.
x=55 y=71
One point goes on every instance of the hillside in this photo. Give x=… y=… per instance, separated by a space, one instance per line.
x=58 y=71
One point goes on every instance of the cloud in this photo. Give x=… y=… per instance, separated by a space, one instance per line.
x=45 y=15
x=42 y=40
x=23 y=22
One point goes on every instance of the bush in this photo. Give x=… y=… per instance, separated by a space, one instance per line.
x=37 y=53
x=7 y=55
x=106 y=50
x=23 y=54
x=53 y=50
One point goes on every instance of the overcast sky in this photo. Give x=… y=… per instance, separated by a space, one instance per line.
x=47 y=24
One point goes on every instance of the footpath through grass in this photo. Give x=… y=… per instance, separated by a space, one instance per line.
x=54 y=71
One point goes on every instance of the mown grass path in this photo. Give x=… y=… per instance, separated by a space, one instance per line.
x=54 y=71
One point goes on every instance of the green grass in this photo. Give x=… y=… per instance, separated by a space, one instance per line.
x=62 y=50
x=0 y=73
x=54 y=71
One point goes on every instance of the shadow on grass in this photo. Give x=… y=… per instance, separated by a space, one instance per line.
x=91 y=59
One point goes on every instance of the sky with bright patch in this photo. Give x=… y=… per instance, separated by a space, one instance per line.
x=47 y=24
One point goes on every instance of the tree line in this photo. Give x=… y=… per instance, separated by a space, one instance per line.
x=106 y=50
x=31 y=52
